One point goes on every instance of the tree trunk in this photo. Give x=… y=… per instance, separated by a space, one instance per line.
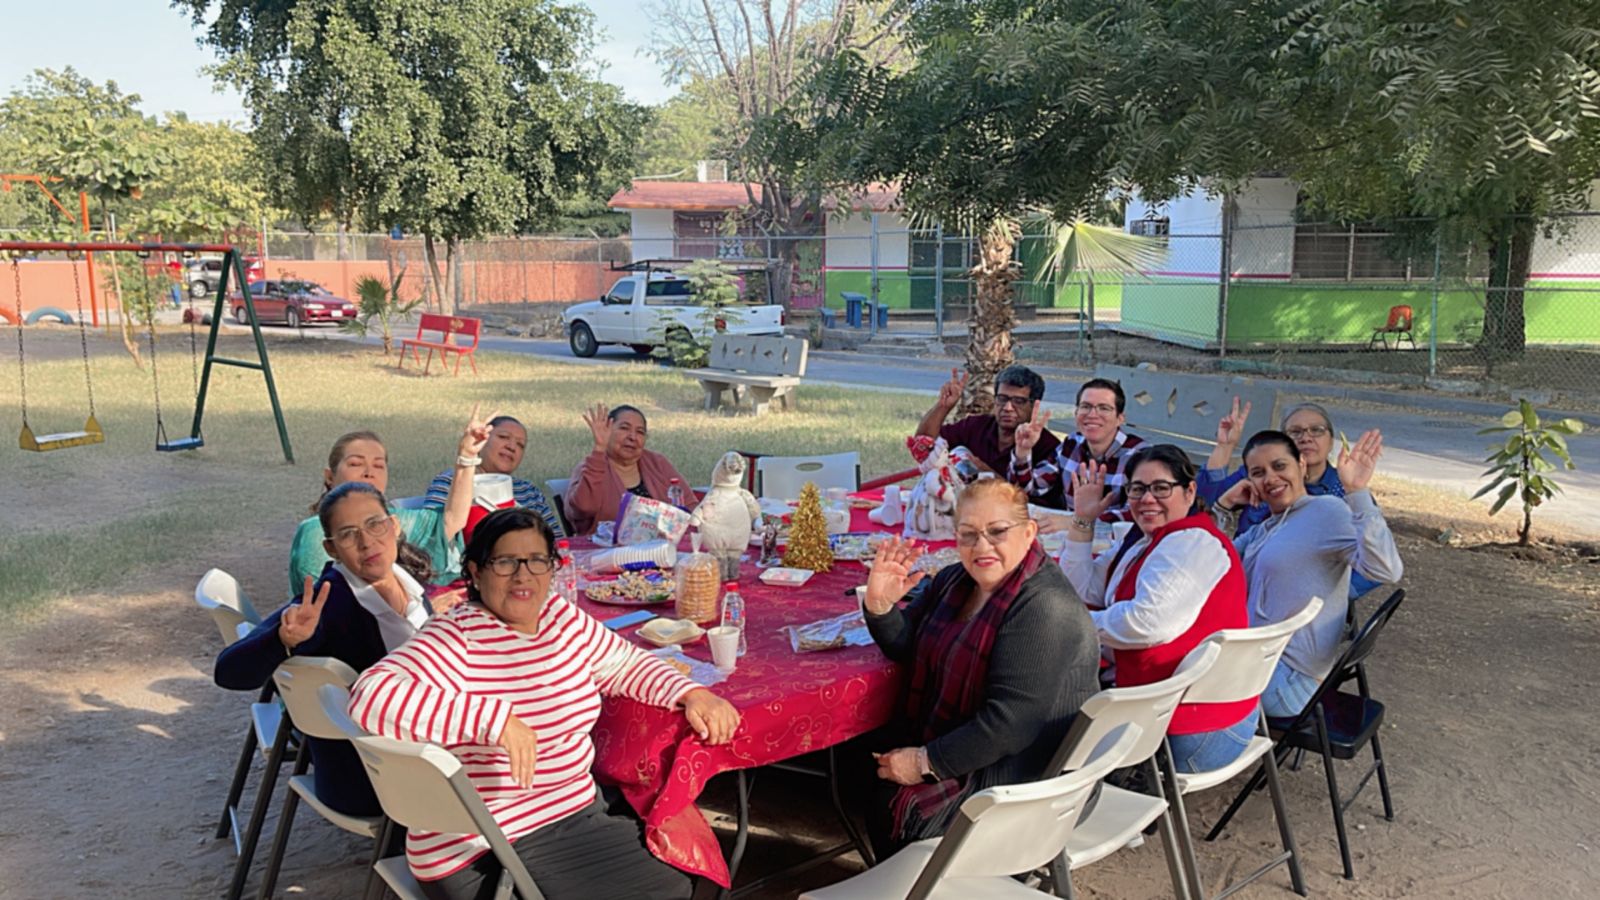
x=992 y=318
x=1511 y=258
x=123 y=319
x=454 y=263
x=435 y=277
x=341 y=241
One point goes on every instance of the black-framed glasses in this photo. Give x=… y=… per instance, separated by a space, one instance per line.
x=1315 y=431
x=507 y=566
x=994 y=534
x=1009 y=400
x=375 y=527
x=1161 y=489
x=1104 y=409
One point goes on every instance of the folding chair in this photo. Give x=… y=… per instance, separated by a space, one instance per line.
x=1119 y=815
x=556 y=491
x=424 y=786
x=783 y=476
x=298 y=679
x=999 y=833
x=1337 y=725
x=1243 y=668
x=220 y=595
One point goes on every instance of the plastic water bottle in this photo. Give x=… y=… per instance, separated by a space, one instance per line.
x=733 y=611
x=675 y=493
x=568 y=570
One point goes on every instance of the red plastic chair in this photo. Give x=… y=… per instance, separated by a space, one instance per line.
x=1399 y=325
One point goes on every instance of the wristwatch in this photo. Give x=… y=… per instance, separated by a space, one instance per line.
x=1082 y=524
x=925 y=768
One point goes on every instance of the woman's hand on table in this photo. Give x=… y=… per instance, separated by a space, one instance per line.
x=902 y=766
x=711 y=717
x=522 y=745
x=893 y=575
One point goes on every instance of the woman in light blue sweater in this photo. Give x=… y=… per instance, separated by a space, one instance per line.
x=1307 y=548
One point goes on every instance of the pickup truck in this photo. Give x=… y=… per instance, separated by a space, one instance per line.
x=632 y=311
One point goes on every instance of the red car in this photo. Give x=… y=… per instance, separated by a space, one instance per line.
x=294 y=302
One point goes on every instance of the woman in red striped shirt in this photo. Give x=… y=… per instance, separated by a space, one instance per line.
x=511 y=684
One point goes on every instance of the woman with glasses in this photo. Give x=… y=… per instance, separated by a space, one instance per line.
x=1159 y=597
x=361 y=456
x=367 y=603
x=999 y=655
x=511 y=682
x=619 y=464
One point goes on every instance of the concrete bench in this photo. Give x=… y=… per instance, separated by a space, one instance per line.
x=768 y=368
x=1183 y=408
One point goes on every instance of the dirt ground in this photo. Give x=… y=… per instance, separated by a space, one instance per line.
x=116 y=748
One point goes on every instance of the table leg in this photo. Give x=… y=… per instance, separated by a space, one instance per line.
x=741 y=834
x=862 y=847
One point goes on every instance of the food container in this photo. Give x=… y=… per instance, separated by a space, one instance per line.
x=699 y=581
x=666 y=632
x=786 y=577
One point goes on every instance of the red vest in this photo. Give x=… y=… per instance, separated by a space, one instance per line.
x=1224 y=608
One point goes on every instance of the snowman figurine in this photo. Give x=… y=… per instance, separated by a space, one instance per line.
x=727 y=516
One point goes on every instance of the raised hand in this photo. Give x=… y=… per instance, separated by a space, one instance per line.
x=711 y=717
x=1029 y=432
x=476 y=434
x=1049 y=524
x=1089 y=498
x=522 y=745
x=299 y=622
x=1240 y=496
x=443 y=603
x=894 y=573
x=950 y=393
x=599 y=425
x=1230 y=428
x=1358 y=462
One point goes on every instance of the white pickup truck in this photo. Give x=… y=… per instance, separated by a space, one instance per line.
x=631 y=312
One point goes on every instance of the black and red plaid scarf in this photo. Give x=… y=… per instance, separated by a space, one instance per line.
x=948 y=680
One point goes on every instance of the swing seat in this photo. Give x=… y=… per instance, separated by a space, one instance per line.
x=185 y=443
x=91 y=434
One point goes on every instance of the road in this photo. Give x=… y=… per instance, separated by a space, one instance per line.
x=1428 y=439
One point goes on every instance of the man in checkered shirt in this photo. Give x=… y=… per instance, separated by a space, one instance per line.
x=1099 y=419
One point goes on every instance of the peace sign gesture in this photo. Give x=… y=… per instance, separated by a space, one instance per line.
x=894 y=573
x=1230 y=428
x=1089 y=498
x=599 y=425
x=950 y=393
x=476 y=433
x=1029 y=432
x=299 y=621
x=1358 y=462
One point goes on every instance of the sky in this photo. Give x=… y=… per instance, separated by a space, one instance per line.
x=148 y=48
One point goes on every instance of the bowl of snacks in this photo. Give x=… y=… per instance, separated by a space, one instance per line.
x=645 y=588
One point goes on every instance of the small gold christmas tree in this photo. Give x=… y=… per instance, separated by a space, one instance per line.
x=808 y=534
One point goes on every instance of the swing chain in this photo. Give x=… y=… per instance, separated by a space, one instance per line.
x=22 y=365
x=83 y=337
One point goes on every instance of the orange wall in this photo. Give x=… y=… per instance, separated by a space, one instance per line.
x=46 y=284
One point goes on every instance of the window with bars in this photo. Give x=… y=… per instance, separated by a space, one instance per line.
x=703 y=235
x=1347 y=252
x=1151 y=226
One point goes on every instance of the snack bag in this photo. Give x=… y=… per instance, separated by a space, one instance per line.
x=844 y=630
x=643 y=519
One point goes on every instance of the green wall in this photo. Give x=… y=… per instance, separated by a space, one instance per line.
x=894 y=287
x=1172 y=310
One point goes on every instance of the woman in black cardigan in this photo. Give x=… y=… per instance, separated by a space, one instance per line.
x=1000 y=654
x=368 y=602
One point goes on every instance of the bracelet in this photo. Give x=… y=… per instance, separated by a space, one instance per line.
x=469 y=462
x=1082 y=524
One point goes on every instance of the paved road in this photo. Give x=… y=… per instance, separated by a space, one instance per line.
x=1428 y=439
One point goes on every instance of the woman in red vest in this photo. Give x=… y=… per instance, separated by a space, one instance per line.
x=1157 y=598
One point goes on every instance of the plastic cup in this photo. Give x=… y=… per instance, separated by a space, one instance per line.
x=861 y=600
x=837 y=495
x=724 y=640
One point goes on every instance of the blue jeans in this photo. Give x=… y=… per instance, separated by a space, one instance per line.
x=1207 y=750
x=1288 y=692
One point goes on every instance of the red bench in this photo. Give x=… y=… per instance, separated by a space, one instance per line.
x=449 y=329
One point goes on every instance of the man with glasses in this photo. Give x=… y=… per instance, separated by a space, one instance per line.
x=990 y=438
x=1099 y=437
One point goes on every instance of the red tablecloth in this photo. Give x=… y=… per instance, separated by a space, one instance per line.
x=791 y=704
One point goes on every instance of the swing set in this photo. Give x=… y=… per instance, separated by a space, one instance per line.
x=92 y=433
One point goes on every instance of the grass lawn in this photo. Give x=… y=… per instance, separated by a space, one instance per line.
x=87 y=518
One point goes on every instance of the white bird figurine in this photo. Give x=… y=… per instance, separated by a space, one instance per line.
x=728 y=514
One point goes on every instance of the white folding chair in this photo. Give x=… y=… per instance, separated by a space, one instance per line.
x=783 y=476
x=556 y=493
x=220 y=595
x=1120 y=815
x=298 y=679
x=424 y=786
x=408 y=502
x=1242 y=670
x=999 y=832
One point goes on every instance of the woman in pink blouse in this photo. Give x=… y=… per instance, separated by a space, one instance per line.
x=511 y=683
x=619 y=464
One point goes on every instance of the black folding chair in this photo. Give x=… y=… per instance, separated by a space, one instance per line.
x=1337 y=725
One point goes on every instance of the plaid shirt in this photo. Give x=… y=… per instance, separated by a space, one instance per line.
x=1049 y=484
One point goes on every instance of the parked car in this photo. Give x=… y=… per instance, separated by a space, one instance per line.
x=205 y=274
x=293 y=302
x=631 y=312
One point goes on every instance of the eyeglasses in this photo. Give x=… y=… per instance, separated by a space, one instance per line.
x=1009 y=400
x=1316 y=431
x=507 y=566
x=376 y=527
x=994 y=534
x=1104 y=409
x=1161 y=489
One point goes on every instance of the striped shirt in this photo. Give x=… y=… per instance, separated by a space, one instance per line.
x=465 y=672
x=1050 y=483
x=525 y=494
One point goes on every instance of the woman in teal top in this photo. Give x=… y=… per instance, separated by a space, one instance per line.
x=360 y=456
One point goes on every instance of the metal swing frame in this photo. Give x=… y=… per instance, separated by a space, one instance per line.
x=232 y=270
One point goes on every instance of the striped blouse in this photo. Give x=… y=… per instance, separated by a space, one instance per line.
x=465 y=672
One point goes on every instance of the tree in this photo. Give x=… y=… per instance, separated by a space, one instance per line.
x=454 y=118
x=691 y=126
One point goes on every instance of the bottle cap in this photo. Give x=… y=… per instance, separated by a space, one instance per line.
x=730 y=586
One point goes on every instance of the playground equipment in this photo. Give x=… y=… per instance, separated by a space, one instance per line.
x=233 y=268
x=91 y=433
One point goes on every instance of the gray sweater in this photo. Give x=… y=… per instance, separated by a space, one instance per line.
x=1308 y=551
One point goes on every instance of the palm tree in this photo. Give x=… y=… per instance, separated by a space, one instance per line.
x=989 y=347
x=1086 y=249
